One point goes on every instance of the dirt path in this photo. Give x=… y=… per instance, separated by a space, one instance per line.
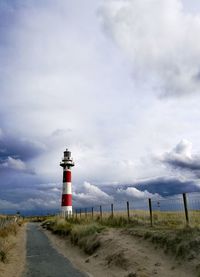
x=17 y=255
x=42 y=259
x=122 y=255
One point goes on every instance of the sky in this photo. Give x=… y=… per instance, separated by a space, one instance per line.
x=115 y=81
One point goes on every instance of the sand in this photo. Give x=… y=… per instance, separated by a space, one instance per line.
x=122 y=255
x=17 y=256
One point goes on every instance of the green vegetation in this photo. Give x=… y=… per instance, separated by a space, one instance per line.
x=82 y=233
x=171 y=219
x=184 y=242
x=37 y=218
x=85 y=236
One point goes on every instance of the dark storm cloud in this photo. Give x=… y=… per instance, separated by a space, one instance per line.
x=168 y=187
x=36 y=196
x=27 y=194
x=193 y=165
x=19 y=148
x=161 y=186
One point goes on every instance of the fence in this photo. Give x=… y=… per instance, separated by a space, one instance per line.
x=177 y=210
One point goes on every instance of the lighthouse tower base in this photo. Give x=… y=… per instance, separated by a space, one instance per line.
x=66 y=211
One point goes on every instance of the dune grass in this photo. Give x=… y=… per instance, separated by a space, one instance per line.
x=7 y=234
x=142 y=217
x=169 y=230
x=183 y=242
x=81 y=232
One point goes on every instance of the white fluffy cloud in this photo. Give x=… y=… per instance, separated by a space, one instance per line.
x=91 y=194
x=161 y=39
x=182 y=152
x=64 y=83
x=182 y=158
x=13 y=163
x=136 y=193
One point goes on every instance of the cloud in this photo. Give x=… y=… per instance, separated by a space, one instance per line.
x=136 y=193
x=17 y=153
x=33 y=198
x=1 y=133
x=181 y=158
x=91 y=194
x=5 y=205
x=63 y=83
x=160 y=39
x=15 y=164
x=167 y=186
x=20 y=147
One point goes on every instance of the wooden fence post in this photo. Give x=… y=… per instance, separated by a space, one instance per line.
x=76 y=213
x=150 y=211
x=112 y=211
x=186 y=208
x=128 y=211
x=85 y=212
x=100 y=212
x=92 y=212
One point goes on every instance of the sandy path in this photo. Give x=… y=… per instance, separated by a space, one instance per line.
x=17 y=256
x=121 y=255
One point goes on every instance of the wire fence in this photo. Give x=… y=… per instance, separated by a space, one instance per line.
x=183 y=209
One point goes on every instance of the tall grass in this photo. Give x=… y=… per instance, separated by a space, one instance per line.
x=81 y=232
x=142 y=217
x=6 y=239
x=5 y=246
x=181 y=242
x=10 y=229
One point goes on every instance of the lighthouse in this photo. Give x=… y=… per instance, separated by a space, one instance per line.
x=66 y=204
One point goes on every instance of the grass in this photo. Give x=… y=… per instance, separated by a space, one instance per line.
x=86 y=237
x=81 y=233
x=169 y=231
x=5 y=246
x=183 y=243
x=6 y=238
x=166 y=219
x=10 y=229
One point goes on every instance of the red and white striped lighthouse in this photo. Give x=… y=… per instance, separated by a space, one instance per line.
x=67 y=163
